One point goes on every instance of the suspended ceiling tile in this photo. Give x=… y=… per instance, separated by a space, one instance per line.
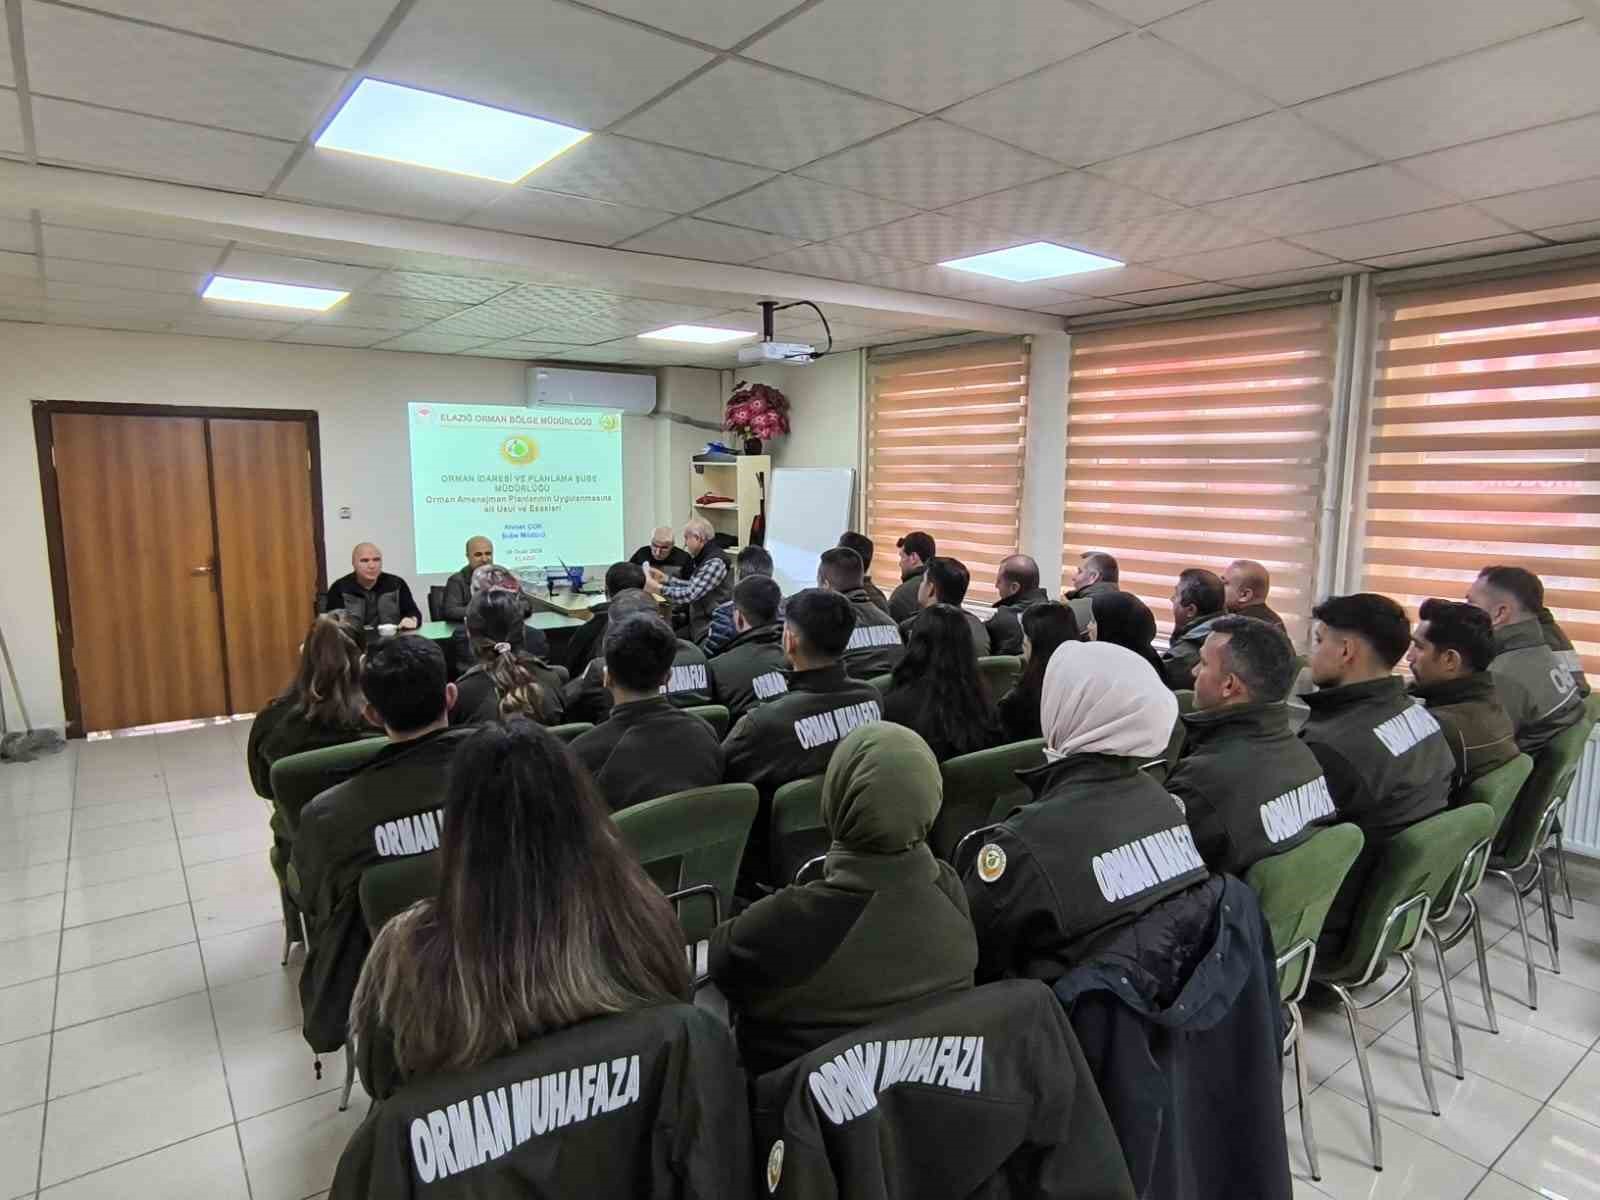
x=431 y=343
x=628 y=172
x=92 y=245
x=336 y=335
x=1259 y=258
x=106 y=320
x=719 y=23
x=1397 y=235
x=1331 y=273
x=1174 y=295
x=1296 y=49
x=1115 y=99
x=278 y=268
x=351 y=181
x=355 y=254
x=567 y=218
x=232 y=327
x=929 y=238
x=1087 y=306
x=331 y=33
x=1531 y=158
x=1251 y=156
x=82 y=56
x=10 y=121
x=806 y=209
x=928 y=54
x=930 y=164
x=1145 y=12
x=964 y=285
x=1563 y=204
x=690 y=238
x=420 y=285
x=131 y=299
x=155 y=149
x=16 y=235
x=757 y=115
x=1546 y=77
x=484 y=324
x=517 y=348
x=24 y=265
x=1364 y=195
x=1455 y=250
x=1116 y=280
x=833 y=262
x=146 y=279
x=1062 y=205
x=1183 y=232
x=1580 y=232
x=538 y=57
x=137 y=225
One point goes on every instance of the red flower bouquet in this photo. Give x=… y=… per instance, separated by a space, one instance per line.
x=756 y=410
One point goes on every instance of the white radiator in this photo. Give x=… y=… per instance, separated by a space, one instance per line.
x=1582 y=820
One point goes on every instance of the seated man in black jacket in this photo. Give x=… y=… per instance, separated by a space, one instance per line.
x=646 y=748
x=945 y=581
x=1451 y=649
x=390 y=809
x=1197 y=604
x=862 y=545
x=369 y=595
x=689 y=684
x=753 y=668
x=1385 y=758
x=876 y=644
x=458 y=588
x=1017 y=581
x=1249 y=787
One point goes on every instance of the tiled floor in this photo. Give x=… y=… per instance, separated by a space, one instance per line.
x=149 y=1041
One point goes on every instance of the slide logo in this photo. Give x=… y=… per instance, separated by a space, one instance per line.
x=610 y=422
x=519 y=451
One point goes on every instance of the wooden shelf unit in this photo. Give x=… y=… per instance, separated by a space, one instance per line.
x=736 y=478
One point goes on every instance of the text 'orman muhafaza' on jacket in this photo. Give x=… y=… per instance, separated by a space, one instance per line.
x=1535 y=687
x=751 y=671
x=876 y=643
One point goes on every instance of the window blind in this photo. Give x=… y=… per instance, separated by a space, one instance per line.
x=1196 y=442
x=1485 y=444
x=945 y=440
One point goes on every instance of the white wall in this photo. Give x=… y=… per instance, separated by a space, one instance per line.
x=684 y=392
x=825 y=401
x=360 y=398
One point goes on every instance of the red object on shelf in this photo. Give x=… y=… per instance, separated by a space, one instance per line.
x=713 y=498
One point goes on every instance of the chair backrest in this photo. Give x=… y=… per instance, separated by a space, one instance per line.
x=436 y=602
x=714 y=715
x=571 y=730
x=693 y=837
x=798 y=834
x=882 y=682
x=1411 y=870
x=1000 y=672
x=392 y=887
x=1297 y=888
x=979 y=788
x=298 y=779
x=1554 y=769
x=1497 y=790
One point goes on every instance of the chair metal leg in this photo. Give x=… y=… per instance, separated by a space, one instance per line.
x=288 y=940
x=1483 y=963
x=349 y=1072
x=1302 y=1089
x=1527 y=942
x=1366 y=1077
x=1449 y=1003
x=1422 y=1033
x=1550 y=920
x=1561 y=866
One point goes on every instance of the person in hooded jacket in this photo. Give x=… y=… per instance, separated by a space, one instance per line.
x=886 y=925
x=1197 y=603
x=1122 y=619
x=877 y=643
x=753 y=668
x=1044 y=628
x=1017 y=581
x=1101 y=842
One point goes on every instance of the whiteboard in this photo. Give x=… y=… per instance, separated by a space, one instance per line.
x=807 y=509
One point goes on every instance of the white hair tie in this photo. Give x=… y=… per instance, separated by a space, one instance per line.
x=502 y=647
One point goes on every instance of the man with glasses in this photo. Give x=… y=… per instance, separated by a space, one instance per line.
x=664 y=554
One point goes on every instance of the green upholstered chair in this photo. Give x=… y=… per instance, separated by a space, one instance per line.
x=798 y=835
x=571 y=730
x=1518 y=857
x=1000 y=672
x=1391 y=916
x=1498 y=789
x=714 y=715
x=1296 y=889
x=979 y=788
x=882 y=682
x=392 y=887
x=691 y=838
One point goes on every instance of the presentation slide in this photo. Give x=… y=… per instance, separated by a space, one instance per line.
x=544 y=484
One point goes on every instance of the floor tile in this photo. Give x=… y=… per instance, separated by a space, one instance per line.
x=124 y=812
x=1565 y=1009
x=209 y=847
x=108 y=900
x=128 y=983
x=292 y=1152
x=131 y=1043
x=1579 y=1096
x=22 y=959
x=1555 y=1156
x=126 y=937
x=26 y=918
x=16 y=855
x=30 y=882
x=1328 y=1045
x=230 y=876
x=244 y=955
x=1496 y=1186
x=36 y=826
x=207 y=1167
x=25 y=1009
x=218 y=915
x=19 y=1151
x=269 y=1072
x=28 y=803
x=257 y=1007
x=105 y=1125
x=223 y=819
x=23 y=1066
x=92 y=870
x=1524 y=1058
x=1413 y=1166
x=120 y=837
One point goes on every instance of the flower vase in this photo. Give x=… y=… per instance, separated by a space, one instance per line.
x=752 y=445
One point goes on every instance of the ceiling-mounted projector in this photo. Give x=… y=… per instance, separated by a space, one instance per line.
x=770 y=351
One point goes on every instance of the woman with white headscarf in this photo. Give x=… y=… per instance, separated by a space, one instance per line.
x=1102 y=841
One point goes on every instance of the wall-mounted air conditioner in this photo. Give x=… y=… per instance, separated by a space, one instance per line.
x=562 y=387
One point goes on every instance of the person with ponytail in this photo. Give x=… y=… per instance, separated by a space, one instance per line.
x=504 y=680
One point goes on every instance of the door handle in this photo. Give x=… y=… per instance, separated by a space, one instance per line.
x=205 y=570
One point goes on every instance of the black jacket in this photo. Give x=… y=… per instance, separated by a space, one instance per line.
x=1534 y=685
x=1179 y=1019
x=1005 y=627
x=1019 y=714
x=984 y=1094
x=277 y=733
x=903 y=600
x=478 y=701
x=586 y=698
x=904 y=704
x=876 y=643
x=647 y=1103
x=648 y=749
x=793 y=736
x=1101 y=843
x=457 y=594
x=390 y=809
x=875 y=593
x=678 y=564
x=1260 y=612
x=1250 y=788
x=751 y=671
x=1475 y=725
x=979 y=631
x=1182 y=658
x=388 y=603
x=1388 y=766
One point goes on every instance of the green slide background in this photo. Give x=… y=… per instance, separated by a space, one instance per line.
x=544 y=483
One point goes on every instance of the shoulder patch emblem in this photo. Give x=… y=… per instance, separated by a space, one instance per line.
x=991 y=863
x=775 y=1165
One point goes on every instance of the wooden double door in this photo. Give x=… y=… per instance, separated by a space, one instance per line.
x=186 y=555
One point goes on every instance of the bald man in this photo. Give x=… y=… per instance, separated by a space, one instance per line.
x=664 y=554
x=1244 y=586
x=1017 y=581
x=458 y=588
x=371 y=597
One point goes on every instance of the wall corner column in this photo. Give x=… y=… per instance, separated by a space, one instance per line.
x=1045 y=453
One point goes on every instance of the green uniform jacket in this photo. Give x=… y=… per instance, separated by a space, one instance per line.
x=277 y=733
x=1250 y=788
x=1182 y=658
x=903 y=600
x=1388 y=767
x=1475 y=724
x=1561 y=646
x=1260 y=612
x=875 y=644
x=875 y=593
x=648 y=749
x=793 y=736
x=586 y=698
x=1535 y=687
x=751 y=671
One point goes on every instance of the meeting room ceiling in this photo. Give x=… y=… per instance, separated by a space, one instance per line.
x=1215 y=147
